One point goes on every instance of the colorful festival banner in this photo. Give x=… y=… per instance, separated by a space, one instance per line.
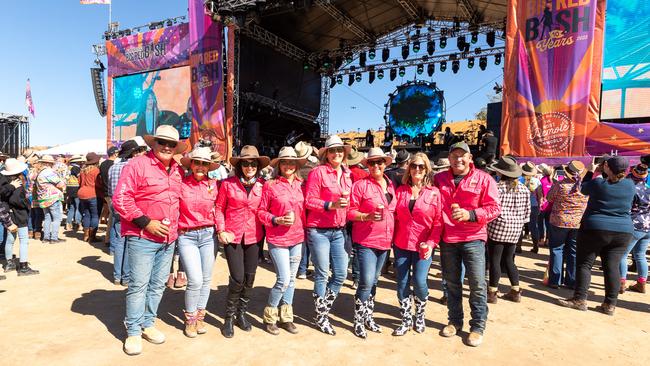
x=552 y=76
x=153 y=50
x=626 y=139
x=29 y=103
x=207 y=80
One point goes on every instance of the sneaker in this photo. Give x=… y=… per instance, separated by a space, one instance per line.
x=133 y=345
x=474 y=339
x=573 y=304
x=153 y=335
x=449 y=330
x=302 y=276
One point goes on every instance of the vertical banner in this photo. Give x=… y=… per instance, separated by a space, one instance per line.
x=552 y=76
x=206 y=61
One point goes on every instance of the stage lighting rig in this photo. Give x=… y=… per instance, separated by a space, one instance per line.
x=490 y=38
x=339 y=79
x=385 y=54
x=357 y=77
x=380 y=74
x=405 y=51
x=362 y=59
x=416 y=46
x=497 y=59
x=431 y=47
x=371 y=76
x=431 y=68
x=350 y=80
x=372 y=53
x=420 y=69
x=443 y=42
x=455 y=65
x=443 y=66
x=460 y=42
x=482 y=62
x=470 y=62
x=393 y=74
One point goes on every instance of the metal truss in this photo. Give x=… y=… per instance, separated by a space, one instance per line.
x=345 y=20
x=324 y=115
x=469 y=11
x=410 y=8
x=281 y=45
x=254 y=98
x=13 y=118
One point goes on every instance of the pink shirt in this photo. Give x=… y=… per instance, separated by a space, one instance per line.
x=279 y=197
x=424 y=224
x=147 y=188
x=236 y=211
x=197 y=202
x=323 y=187
x=366 y=196
x=477 y=191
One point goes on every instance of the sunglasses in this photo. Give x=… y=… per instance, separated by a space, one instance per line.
x=417 y=166
x=336 y=150
x=246 y=164
x=376 y=162
x=288 y=162
x=201 y=163
x=167 y=143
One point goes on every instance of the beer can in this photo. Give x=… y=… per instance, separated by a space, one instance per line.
x=380 y=212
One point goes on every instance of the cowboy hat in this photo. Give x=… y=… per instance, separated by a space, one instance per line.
x=3 y=155
x=354 y=157
x=13 y=167
x=77 y=159
x=139 y=140
x=507 y=166
x=250 y=152
x=441 y=163
x=377 y=152
x=200 y=154
x=575 y=167
x=92 y=158
x=303 y=149
x=287 y=153
x=216 y=156
x=169 y=133
x=402 y=156
x=529 y=168
x=333 y=141
x=127 y=148
x=545 y=169
x=48 y=159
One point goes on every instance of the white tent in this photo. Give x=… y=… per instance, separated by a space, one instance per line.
x=81 y=147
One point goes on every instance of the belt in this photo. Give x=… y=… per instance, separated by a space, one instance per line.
x=329 y=228
x=184 y=231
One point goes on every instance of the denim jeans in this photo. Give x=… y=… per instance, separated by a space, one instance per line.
x=286 y=261
x=409 y=267
x=23 y=236
x=89 y=213
x=114 y=232
x=327 y=245
x=52 y=221
x=472 y=254
x=533 y=224
x=638 y=246
x=37 y=215
x=120 y=257
x=74 y=211
x=197 y=254
x=304 y=260
x=370 y=263
x=562 y=244
x=149 y=264
x=443 y=283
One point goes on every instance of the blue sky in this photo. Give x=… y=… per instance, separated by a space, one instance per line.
x=50 y=43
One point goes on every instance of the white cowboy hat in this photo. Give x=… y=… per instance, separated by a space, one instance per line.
x=77 y=159
x=288 y=153
x=169 y=133
x=250 y=152
x=377 y=152
x=333 y=141
x=13 y=167
x=139 y=140
x=47 y=159
x=200 y=154
x=303 y=149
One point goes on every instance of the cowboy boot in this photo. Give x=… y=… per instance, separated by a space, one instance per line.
x=370 y=321
x=420 y=307
x=322 y=320
x=234 y=290
x=200 y=324
x=92 y=232
x=638 y=287
x=10 y=264
x=25 y=270
x=181 y=280
x=271 y=320
x=190 y=324
x=242 y=321
x=407 y=318
x=86 y=235
x=360 y=315
x=286 y=319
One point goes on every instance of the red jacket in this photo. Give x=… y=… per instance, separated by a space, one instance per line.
x=322 y=187
x=476 y=191
x=279 y=197
x=197 y=202
x=424 y=224
x=236 y=211
x=146 y=188
x=366 y=195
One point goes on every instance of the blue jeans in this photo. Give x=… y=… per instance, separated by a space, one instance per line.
x=74 y=211
x=370 y=263
x=445 y=293
x=120 y=257
x=562 y=244
x=453 y=256
x=532 y=224
x=286 y=261
x=149 y=264
x=409 y=266
x=37 y=216
x=328 y=245
x=196 y=249
x=638 y=246
x=304 y=260
x=52 y=221
x=89 y=213
x=23 y=236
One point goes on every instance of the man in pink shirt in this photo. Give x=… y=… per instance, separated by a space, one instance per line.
x=147 y=199
x=469 y=201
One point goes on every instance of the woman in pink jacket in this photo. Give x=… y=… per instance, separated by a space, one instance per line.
x=372 y=206
x=282 y=213
x=418 y=226
x=240 y=232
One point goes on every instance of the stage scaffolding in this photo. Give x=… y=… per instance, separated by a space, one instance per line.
x=14 y=134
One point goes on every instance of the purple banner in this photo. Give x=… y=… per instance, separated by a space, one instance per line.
x=153 y=50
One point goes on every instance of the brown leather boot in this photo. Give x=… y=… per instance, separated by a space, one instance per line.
x=86 y=235
x=492 y=297
x=573 y=303
x=514 y=296
x=200 y=324
x=606 y=309
x=638 y=287
x=190 y=324
x=93 y=236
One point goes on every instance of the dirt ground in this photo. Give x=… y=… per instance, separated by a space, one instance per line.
x=71 y=314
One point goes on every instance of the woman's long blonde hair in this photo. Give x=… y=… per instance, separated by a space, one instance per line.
x=406 y=179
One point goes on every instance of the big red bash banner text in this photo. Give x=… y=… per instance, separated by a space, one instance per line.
x=552 y=76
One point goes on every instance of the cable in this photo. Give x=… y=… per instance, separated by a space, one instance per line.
x=474 y=92
x=366 y=99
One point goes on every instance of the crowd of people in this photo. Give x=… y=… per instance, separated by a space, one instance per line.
x=334 y=206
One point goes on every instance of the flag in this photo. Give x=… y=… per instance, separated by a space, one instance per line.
x=29 y=103
x=88 y=2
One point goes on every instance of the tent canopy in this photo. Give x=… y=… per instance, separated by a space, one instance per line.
x=81 y=147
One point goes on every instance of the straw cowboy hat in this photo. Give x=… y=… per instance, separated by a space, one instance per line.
x=529 y=168
x=250 y=152
x=216 y=157
x=333 y=141
x=441 y=163
x=303 y=149
x=288 y=153
x=575 y=167
x=92 y=158
x=507 y=166
x=200 y=154
x=47 y=159
x=377 y=152
x=13 y=167
x=545 y=169
x=77 y=159
x=354 y=157
x=169 y=133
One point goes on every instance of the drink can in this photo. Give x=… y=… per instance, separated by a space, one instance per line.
x=423 y=249
x=166 y=221
x=380 y=211
x=290 y=215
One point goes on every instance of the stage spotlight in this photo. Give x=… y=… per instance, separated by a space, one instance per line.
x=362 y=59
x=385 y=54
x=405 y=52
x=416 y=46
x=456 y=23
x=474 y=37
x=357 y=77
x=460 y=42
x=327 y=61
x=393 y=74
x=443 y=66
x=478 y=50
x=482 y=62
x=431 y=47
x=470 y=62
x=431 y=68
x=455 y=65
x=497 y=59
x=169 y=22
x=380 y=74
x=443 y=42
x=339 y=79
x=338 y=62
x=349 y=57
x=372 y=53
x=402 y=71
x=305 y=65
x=420 y=69
x=332 y=81
x=371 y=77
x=491 y=36
x=350 y=80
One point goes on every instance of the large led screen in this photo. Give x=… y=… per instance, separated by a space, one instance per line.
x=416 y=109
